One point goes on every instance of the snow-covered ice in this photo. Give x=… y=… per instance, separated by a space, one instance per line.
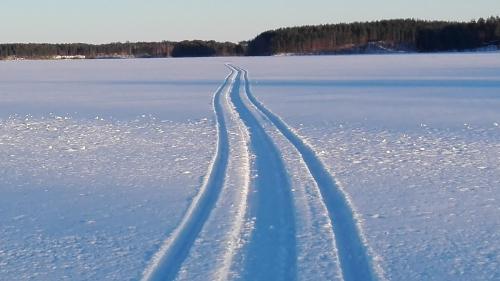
x=103 y=163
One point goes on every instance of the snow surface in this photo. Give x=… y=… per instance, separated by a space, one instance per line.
x=173 y=89
x=105 y=163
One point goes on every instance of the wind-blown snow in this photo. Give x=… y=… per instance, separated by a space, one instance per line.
x=91 y=199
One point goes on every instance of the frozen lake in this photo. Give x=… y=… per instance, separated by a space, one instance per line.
x=121 y=169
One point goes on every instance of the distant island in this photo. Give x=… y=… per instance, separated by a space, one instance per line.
x=385 y=36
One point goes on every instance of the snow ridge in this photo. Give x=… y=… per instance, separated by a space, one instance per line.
x=167 y=261
x=271 y=250
x=355 y=262
x=235 y=240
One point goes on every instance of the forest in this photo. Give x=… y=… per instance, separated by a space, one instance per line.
x=407 y=35
x=121 y=50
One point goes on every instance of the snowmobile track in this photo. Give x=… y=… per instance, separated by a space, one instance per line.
x=270 y=252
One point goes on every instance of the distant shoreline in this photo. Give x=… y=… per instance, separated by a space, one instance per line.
x=497 y=50
x=375 y=37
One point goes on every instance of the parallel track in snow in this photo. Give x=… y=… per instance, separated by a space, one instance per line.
x=269 y=251
x=168 y=260
x=355 y=263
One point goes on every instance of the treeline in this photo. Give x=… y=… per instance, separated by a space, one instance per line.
x=399 y=35
x=122 y=50
x=206 y=49
x=459 y=36
x=409 y=35
x=141 y=49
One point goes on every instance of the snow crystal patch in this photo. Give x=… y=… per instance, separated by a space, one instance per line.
x=429 y=204
x=90 y=199
x=132 y=152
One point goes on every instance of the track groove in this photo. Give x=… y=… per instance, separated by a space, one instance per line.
x=168 y=260
x=355 y=262
x=271 y=250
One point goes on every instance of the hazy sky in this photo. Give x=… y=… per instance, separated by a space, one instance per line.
x=98 y=21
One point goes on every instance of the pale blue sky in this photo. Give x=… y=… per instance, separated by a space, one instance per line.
x=99 y=21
